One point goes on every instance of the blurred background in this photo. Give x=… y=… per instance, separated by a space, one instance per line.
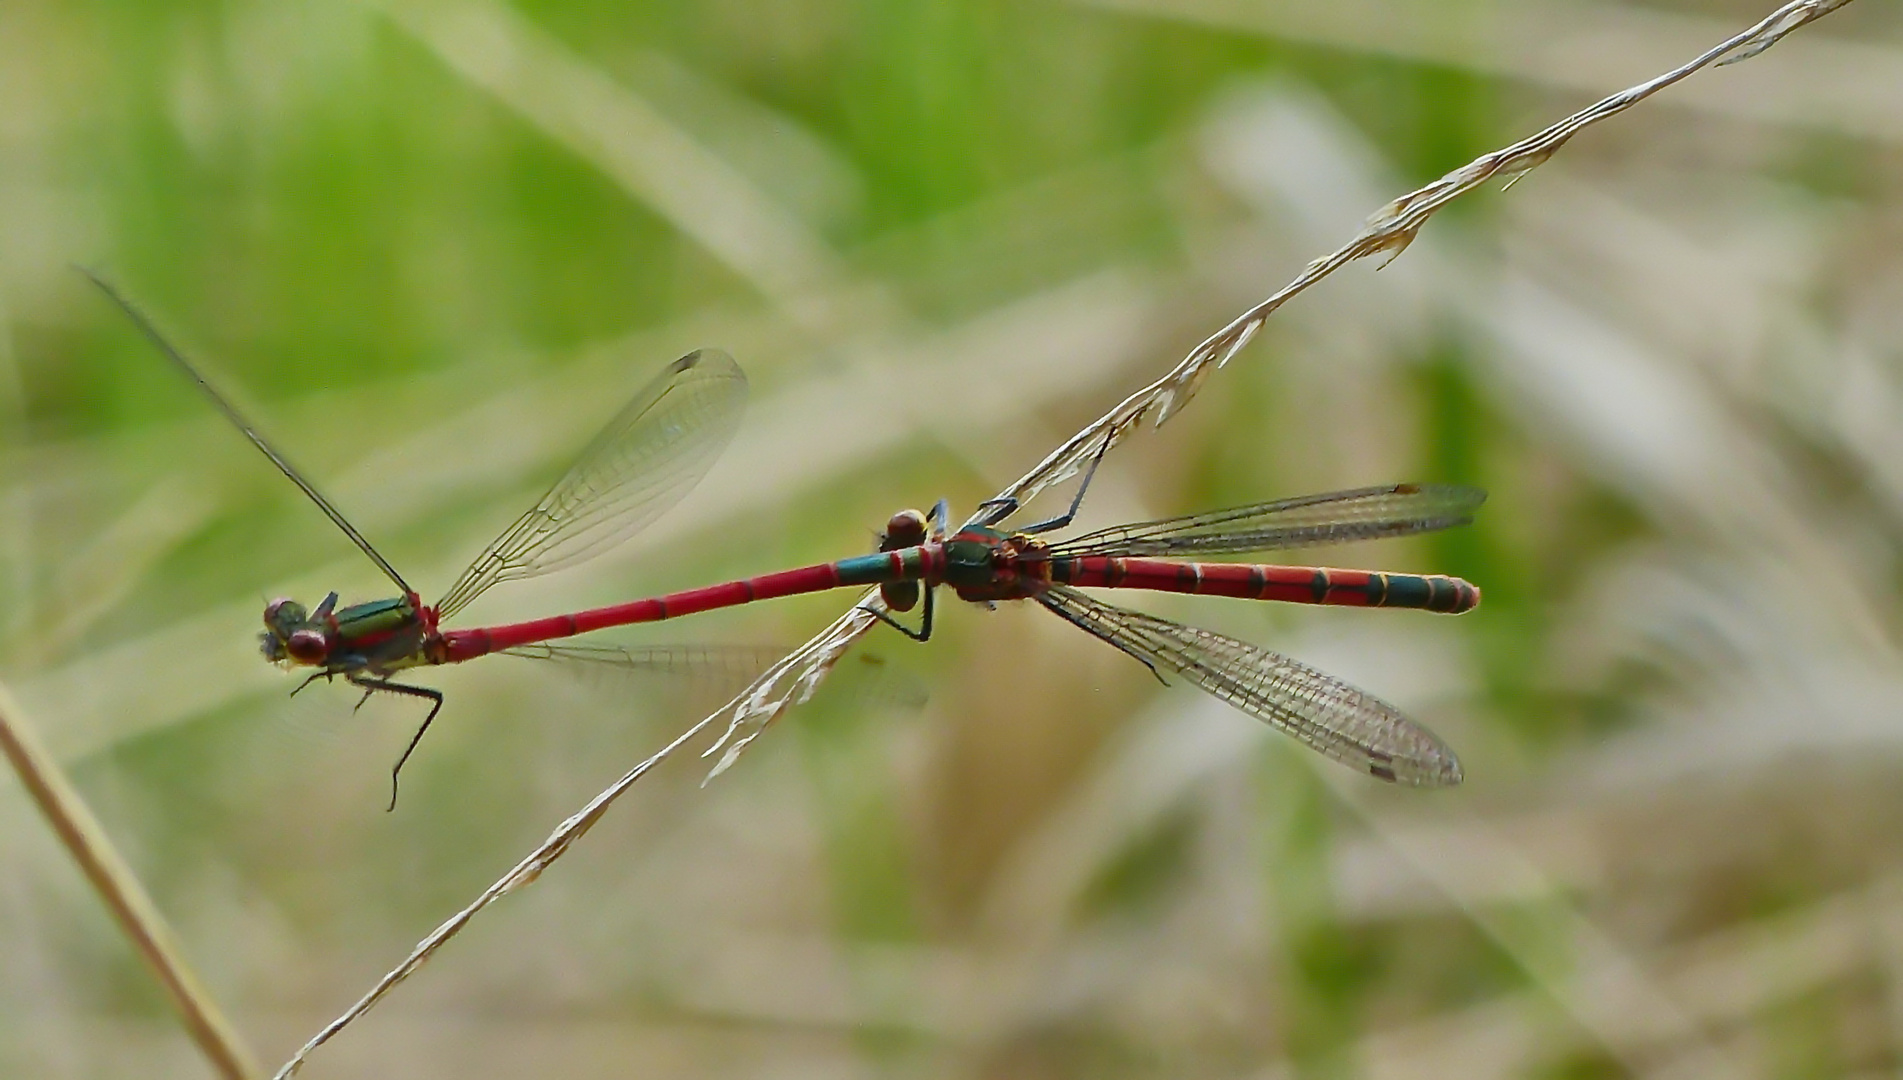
x=432 y=246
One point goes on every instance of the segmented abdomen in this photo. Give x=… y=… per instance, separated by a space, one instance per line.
x=1293 y=584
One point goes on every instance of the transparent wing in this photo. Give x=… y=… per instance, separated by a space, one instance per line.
x=166 y=348
x=641 y=464
x=728 y=669
x=723 y=669
x=1355 y=728
x=1361 y=514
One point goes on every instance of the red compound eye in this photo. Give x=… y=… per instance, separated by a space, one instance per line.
x=906 y=529
x=307 y=646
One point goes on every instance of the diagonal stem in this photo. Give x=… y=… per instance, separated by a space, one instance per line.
x=86 y=841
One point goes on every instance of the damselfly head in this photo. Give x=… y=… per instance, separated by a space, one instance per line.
x=905 y=529
x=282 y=616
x=290 y=636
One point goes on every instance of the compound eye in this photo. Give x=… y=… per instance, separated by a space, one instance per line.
x=906 y=529
x=282 y=614
x=283 y=607
x=307 y=646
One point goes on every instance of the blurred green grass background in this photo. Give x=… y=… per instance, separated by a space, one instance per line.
x=431 y=246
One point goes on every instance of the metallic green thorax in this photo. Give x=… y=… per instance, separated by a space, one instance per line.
x=375 y=618
x=969 y=558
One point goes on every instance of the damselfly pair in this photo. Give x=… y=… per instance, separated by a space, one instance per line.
x=665 y=439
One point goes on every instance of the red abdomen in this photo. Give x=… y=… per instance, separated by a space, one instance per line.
x=1293 y=584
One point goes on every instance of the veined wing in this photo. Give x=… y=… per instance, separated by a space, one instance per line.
x=171 y=352
x=1355 y=728
x=648 y=457
x=725 y=669
x=1336 y=517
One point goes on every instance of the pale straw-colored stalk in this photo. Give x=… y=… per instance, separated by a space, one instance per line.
x=92 y=850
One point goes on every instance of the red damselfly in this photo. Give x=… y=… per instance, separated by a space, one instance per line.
x=984 y=565
x=665 y=439
x=643 y=462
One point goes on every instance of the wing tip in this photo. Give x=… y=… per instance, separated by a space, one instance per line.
x=1440 y=769
x=707 y=356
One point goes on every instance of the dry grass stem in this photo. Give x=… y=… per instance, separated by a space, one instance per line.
x=86 y=841
x=1388 y=231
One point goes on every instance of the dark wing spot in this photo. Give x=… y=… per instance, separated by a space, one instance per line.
x=1381 y=765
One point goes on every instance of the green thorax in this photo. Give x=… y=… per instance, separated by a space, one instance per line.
x=970 y=558
x=374 y=618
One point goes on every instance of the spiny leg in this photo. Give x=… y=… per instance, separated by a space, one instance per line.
x=996 y=510
x=313 y=678
x=372 y=684
x=999 y=509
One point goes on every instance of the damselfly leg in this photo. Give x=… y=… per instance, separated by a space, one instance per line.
x=371 y=684
x=996 y=510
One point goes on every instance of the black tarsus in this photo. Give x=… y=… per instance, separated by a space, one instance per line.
x=231 y=413
x=371 y=685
